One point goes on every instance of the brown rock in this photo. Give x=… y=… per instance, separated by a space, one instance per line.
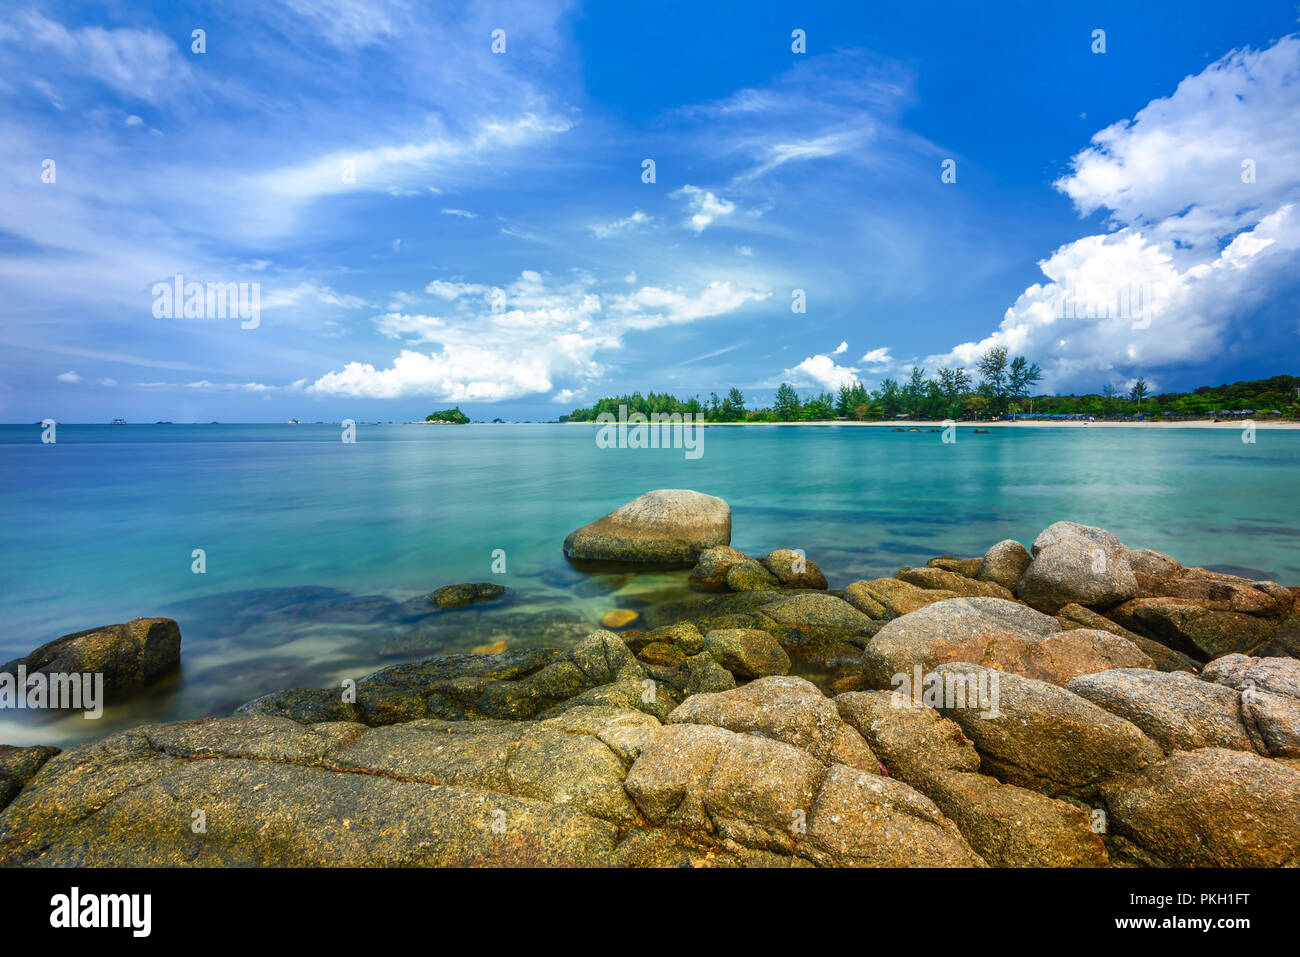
x=1004 y=563
x=1210 y=808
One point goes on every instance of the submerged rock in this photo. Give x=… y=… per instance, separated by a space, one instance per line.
x=130 y=657
x=457 y=596
x=618 y=617
x=666 y=526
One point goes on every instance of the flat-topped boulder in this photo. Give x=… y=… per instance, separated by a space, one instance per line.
x=663 y=527
x=130 y=656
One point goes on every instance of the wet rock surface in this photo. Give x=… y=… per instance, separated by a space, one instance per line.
x=130 y=656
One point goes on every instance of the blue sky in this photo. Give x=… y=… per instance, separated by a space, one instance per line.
x=497 y=247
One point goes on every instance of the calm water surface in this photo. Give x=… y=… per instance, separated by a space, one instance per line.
x=317 y=551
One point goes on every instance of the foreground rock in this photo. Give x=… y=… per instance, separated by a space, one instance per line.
x=18 y=766
x=131 y=656
x=1043 y=737
x=1007 y=826
x=593 y=786
x=997 y=634
x=1209 y=808
x=1180 y=712
x=666 y=526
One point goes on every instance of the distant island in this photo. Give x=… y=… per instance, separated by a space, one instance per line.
x=446 y=417
x=1002 y=393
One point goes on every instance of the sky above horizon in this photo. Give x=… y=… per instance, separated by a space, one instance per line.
x=432 y=222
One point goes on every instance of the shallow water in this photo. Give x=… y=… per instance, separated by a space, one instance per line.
x=315 y=548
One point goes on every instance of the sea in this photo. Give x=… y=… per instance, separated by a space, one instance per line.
x=292 y=558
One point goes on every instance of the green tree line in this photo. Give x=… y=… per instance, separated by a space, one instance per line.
x=1004 y=388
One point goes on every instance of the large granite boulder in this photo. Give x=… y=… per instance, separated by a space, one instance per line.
x=1208 y=614
x=1212 y=807
x=666 y=526
x=1040 y=736
x=995 y=633
x=1076 y=563
x=131 y=656
x=1008 y=826
x=1177 y=710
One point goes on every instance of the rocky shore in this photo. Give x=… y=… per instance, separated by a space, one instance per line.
x=1079 y=703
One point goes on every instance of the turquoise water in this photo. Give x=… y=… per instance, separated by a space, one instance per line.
x=313 y=545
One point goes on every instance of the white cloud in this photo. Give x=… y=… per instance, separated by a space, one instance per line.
x=704 y=207
x=1194 y=250
x=745 y=250
x=823 y=371
x=547 y=331
x=70 y=377
x=134 y=120
x=141 y=64
x=618 y=226
x=878 y=357
x=454 y=290
x=306 y=291
x=463 y=213
x=840 y=349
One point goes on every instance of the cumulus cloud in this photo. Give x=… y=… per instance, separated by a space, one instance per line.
x=1195 y=245
x=703 y=206
x=840 y=349
x=69 y=377
x=879 y=359
x=823 y=371
x=536 y=333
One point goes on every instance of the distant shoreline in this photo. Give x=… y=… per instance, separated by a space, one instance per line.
x=1021 y=424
